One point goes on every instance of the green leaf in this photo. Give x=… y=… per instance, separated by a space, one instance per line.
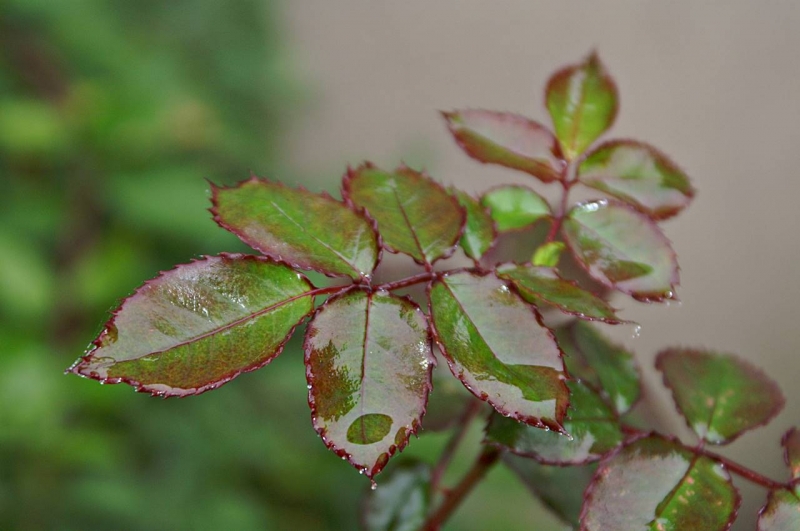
x=781 y=513
x=309 y=231
x=401 y=503
x=539 y=285
x=368 y=365
x=592 y=427
x=720 y=395
x=509 y=140
x=497 y=346
x=638 y=174
x=656 y=483
x=415 y=215
x=600 y=363
x=622 y=249
x=548 y=254
x=791 y=451
x=515 y=207
x=479 y=232
x=582 y=100
x=200 y=325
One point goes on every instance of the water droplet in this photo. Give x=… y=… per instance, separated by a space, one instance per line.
x=637 y=331
x=374 y=485
x=309 y=386
x=361 y=470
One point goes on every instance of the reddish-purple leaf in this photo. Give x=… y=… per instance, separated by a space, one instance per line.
x=656 y=483
x=309 y=231
x=782 y=511
x=720 y=395
x=623 y=249
x=496 y=344
x=415 y=215
x=638 y=174
x=791 y=451
x=200 y=325
x=509 y=140
x=368 y=365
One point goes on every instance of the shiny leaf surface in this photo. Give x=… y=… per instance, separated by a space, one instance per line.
x=791 y=451
x=582 y=100
x=509 y=140
x=401 y=503
x=540 y=285
x=592 y=427
x=496 y=345
x=479 y=232
x=623 y=249
x=309 y=231
x=368 y=365
x=200 y=325
x=656 y=483
x=639 y=175
x=610 y=368
x=548 y=254
x=415 y=215
x=781 y=513
x=720 y=395
x=515 y=207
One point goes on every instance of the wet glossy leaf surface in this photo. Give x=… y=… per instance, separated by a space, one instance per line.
x=310 y=231
x=199 y=325
x=591 y=357
x=623 y=249
x=415 y=215
x=540 y=285
x=582 y=100
x=368 y=365
x=496 y=345
x=791 y=451
x=515 y=207
x=592 y=426
x=782 y=512
x=507 y=139
x=479 y=232
x=401 y=502
x=639 y=175
x=720 y=395
x=654 y=484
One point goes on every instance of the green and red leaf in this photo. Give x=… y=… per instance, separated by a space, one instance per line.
x=719 y=395
x=515 y=207
x=479 y=232
x=791 y=451
x=402 y=502
x=368 y=365
x=415 y=215
x=623 y=249
x=309 y=231
x=657 y=483
x=638 y=174
x=509 y=140
x=781 y=513
x=582 y=100
x=543 y=285
x=496 y=344
x=200 y=325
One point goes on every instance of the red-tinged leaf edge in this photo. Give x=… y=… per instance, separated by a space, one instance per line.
x=215 y=189
x=143 y=388
x=351 y=173
x=537 y=423
x=787 y=440
x=768 y=503
x=330 y=445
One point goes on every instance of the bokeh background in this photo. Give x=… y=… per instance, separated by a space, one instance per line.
x=113 y=112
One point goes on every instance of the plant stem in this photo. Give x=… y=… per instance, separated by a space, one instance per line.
x=486 y=459
x=404 y=283
x=562 y=208
x=462 y=425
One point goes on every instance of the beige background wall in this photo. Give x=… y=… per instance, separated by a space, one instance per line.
x=714 y=84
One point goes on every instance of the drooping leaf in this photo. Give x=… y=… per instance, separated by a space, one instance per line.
x=497 y=346
x=401 y=503
x=415 y=215
x=200 y=325
x=719 y=395
x=309 y=231
x=548 y=254
x=791 y=451
x=602 y=364
x=509 y=140
x=623 y=249
x=782 y=511
x=582 y=100
x=593 y=430
x=638 y=174
x=539 y=285
x=559 y=487
x=515 y=207
x=656 y=483
x=479 y=232
x=368 y=365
